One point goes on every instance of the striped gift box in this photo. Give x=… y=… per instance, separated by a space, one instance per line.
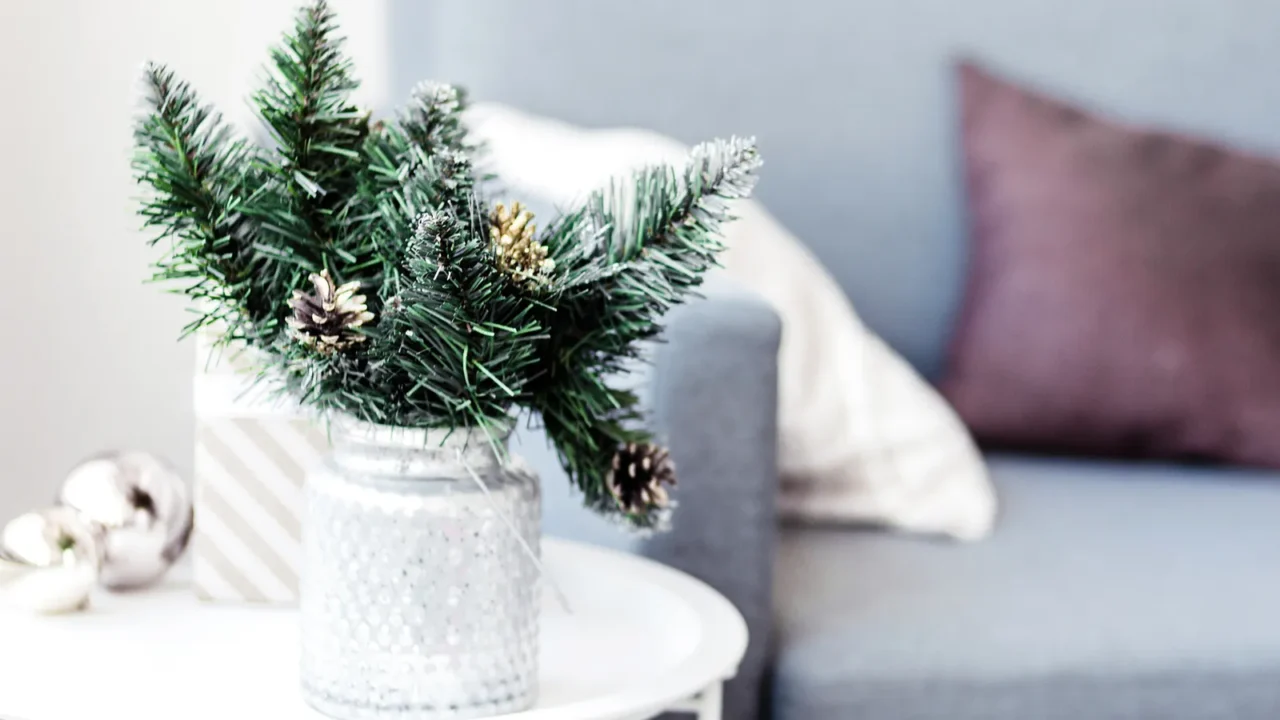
x=252 y=455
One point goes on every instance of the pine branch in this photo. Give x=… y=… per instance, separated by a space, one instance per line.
x=433 y=118
x=419 y=164
x=452 y=349
x=675 y=216
x=629 y=255
x=400 y=182
x=634 y=251
x=319 y=132
x=453 y=274
x=431 y=325
x=443 y=255
x=194 y=167
x=452 y=184
x=586 y=421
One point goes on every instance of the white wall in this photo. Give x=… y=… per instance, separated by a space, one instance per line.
x=88 y=357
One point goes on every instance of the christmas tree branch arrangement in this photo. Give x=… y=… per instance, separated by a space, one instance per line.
x=362 y=258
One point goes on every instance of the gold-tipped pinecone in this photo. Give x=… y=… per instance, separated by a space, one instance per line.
x=640 y=472
x=517 y=253
x=327 y=319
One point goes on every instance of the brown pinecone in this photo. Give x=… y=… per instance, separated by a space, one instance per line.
x=640 y=472
x=518 y=254
x=326 y=320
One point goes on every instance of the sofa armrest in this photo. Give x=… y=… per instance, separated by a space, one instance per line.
x=715 y=403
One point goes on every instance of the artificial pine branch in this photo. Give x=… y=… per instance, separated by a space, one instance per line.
x=474 y=342
x=433 y=118
x=628 y=256
x=634 y=251
x=586 y=421
x=319 y=133
x=403 y=179
x=452 y=185
x=359 y=257
x=452 y=349
x=195 y=167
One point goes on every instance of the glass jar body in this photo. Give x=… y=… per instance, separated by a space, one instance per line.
x=419 y=596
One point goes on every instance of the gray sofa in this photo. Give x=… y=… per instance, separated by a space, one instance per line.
x=1109 y=590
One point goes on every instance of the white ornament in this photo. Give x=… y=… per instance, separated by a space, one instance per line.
x=141 y=508
x=49 y=561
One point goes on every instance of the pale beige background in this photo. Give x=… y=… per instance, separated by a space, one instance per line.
x=88 y=358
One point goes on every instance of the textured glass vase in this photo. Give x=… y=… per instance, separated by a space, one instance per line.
x=419 y=596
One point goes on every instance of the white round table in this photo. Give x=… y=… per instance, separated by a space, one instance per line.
x=641 y=639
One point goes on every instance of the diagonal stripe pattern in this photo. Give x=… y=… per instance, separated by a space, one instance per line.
x=249 y=475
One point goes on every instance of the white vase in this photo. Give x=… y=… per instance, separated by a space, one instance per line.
x=419 y=595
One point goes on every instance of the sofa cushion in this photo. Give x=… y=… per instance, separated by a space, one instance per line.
x=1111 y=590
x=1123 y=286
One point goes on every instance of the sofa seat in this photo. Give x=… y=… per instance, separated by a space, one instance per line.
x=1109 y=590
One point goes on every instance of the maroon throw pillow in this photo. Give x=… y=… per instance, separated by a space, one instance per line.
x=1124 y=286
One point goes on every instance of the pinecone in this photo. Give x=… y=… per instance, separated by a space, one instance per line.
x=639 y=473
x=511 y=232
x=326 y=320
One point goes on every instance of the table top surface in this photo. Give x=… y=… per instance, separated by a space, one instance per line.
x=639 y=638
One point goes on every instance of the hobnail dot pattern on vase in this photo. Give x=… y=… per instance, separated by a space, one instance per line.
x=418 y=601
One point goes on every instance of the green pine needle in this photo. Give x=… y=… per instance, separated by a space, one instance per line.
x=394 y=207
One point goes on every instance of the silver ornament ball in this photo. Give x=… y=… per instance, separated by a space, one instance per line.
x=142 y=509
x=49 y=561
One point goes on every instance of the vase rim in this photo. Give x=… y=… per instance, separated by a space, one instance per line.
x=354 y=429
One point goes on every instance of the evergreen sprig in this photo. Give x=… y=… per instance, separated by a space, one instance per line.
x=318 y=130
x=629 y=255
x=196 y=171
x=433 y=119
x=414 y=321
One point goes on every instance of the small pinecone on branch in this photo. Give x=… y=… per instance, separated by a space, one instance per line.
x=640 y=472
x=518 y=254
x=327 y=319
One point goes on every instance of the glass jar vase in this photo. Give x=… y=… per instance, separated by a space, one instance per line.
x=419 y=593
